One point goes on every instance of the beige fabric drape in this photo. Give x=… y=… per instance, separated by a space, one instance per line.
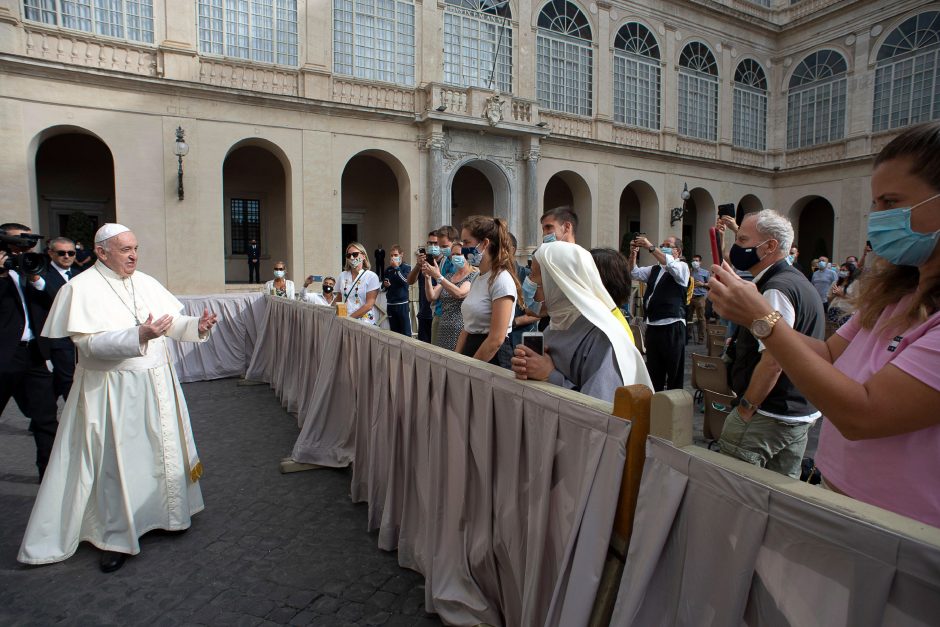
x=233 y=337
x=502 y=493
x=713 y=547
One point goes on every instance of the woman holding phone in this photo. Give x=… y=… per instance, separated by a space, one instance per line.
x=877 y=379
x=451 y=290
x=586 y=347
x=488 y=308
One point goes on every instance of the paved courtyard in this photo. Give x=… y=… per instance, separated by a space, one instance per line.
x=268 y=549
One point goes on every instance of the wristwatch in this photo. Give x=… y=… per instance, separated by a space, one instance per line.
x=651 y=248
x=763 y=327
x=748 y=405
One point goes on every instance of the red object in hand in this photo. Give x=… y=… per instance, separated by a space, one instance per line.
x=716 y=247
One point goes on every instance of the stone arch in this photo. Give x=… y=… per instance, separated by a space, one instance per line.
x=749 y=203
x=639 y=213
x=814 y=222
x=569 y=188
x=72 y=177
x=701 y=214
x=256 y=203
x=464 y=201
x=374 y=192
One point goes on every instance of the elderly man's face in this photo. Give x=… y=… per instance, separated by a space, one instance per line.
x=119 y=253
x=63 y=254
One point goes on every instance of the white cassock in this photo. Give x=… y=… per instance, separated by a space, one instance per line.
x=124 y=461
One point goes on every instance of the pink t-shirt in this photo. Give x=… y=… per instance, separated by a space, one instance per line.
x=900 y=473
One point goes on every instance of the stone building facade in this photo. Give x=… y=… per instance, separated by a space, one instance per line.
x=309 y=124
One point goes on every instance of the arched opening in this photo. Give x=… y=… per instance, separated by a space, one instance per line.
x=701 y=214
x=639 y=210
x=815 y=220
x=749 y=203
x=568 y=188
x=479 y=187
x=255 y=206
x=370 y=204
x=74 y=185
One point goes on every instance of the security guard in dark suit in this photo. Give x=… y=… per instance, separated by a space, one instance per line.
x=61 y=350
x=24 y=305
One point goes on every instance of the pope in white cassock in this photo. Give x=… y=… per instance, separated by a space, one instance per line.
x=124 y=461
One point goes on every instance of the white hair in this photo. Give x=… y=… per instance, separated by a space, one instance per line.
x=774 y=225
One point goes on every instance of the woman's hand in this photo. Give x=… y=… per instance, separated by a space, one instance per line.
x=726 y=222
x=432 y=269
x=734 y=298
x=837 y=291
x=527 y=364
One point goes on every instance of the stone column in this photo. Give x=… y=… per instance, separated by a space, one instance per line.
x=438 y=214
x=532 y=212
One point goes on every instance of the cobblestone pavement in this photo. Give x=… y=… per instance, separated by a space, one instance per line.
x=268 y=549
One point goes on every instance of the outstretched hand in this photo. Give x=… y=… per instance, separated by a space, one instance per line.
x=152 y=329
x=734 y=298
x=207 y=321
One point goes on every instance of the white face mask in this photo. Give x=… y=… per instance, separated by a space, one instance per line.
x=279 y=274
x=696 y=264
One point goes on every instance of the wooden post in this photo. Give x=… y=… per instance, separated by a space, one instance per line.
x=631 y=403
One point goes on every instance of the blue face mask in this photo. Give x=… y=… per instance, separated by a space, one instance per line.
x=790 y=259
x=434 y=251
x=528 y=292
x=459 y=261
x=445 y=252
x=891 y=236
x=548 y=239
x=666 y=250
x=474 y=256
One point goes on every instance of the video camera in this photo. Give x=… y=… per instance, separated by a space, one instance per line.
x=25 y=263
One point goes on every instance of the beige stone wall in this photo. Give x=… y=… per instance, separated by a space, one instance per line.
x=132 y=97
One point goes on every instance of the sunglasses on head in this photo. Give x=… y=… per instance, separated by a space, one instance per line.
x=351 y=255
x=65 y=253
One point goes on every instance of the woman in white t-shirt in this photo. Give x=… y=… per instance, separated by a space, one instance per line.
x=359 y=286
x=489 y=306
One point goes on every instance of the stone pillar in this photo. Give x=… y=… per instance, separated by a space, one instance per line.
x=438 y=214
x=179 y=46
x=531 y=210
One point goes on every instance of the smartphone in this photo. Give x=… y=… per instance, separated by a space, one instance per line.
x=868 y=243
x=535 y=341
x=716 y=245
x=422 y=250
x=726 y=209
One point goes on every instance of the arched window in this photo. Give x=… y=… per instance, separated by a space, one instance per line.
x=907 y=77
x=816 y=100
x=132 y=21
x=750 y=106
x=478 y=44
x=375 y=40
x=636 y=77
x=564 y=59
x=698 y=92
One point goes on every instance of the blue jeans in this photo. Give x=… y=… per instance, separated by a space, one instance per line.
x=398 y=319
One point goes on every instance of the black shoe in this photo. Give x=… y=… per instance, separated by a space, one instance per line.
x=111 y=561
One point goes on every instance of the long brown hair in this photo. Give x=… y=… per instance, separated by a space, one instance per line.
x=884 y=283
x=501 y=250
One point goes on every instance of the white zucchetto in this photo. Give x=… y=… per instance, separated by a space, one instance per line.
x=108 y=231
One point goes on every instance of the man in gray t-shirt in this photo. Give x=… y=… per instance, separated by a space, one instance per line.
x=823 y=279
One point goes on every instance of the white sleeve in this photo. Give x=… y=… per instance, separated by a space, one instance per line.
x=502 y=286
x=678 y=270
x=371 y=281
x=290 y=290
x=186 y=329
x=781 y=303
x=116 y=345
x=641 y=274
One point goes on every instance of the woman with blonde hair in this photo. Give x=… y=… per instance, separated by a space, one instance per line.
x=489 y=306
x=359 y=286
x=877 y=379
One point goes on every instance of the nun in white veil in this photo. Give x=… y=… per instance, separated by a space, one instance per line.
x=587 y=348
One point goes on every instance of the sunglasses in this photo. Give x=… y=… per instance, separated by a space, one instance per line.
x=276 y=269
x=65 y=253
x=351 y=255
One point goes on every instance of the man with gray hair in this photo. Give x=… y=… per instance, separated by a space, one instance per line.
x=768 y=427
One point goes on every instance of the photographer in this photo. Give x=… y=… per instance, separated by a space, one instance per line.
x=24 y=306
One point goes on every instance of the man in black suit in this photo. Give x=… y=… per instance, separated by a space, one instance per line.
x=254 y=262
x=24 y=305
x=61 y=350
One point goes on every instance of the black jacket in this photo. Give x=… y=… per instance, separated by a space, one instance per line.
x=12 y=322
x=54 y=283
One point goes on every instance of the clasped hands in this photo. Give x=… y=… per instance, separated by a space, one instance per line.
x=152 y=329
x=529 y=365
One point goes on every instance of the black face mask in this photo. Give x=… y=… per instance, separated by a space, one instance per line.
x=744 y=258
x=327 y=289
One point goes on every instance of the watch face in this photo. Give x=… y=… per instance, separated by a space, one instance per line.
x=761 y=328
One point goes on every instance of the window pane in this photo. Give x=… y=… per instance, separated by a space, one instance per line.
x=260 y=30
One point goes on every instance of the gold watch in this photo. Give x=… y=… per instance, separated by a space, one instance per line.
x=763 y=327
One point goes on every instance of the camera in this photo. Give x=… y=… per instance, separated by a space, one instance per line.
x=24 y=263
x=422 y=250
